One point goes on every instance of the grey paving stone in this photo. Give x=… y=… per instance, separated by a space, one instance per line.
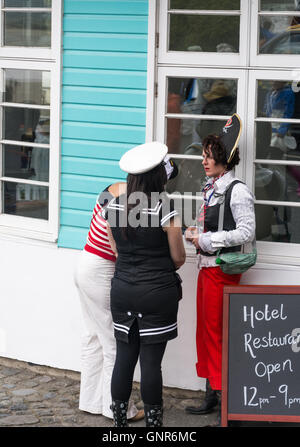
x=36 y=397
x=44 y=412
x=21 y=406
x=17 y=420
x=10 y=371
x=44 y=379
x=5 y=403
x=23 y=392
x=49 y=395
x=8 y=386
x=30 y=383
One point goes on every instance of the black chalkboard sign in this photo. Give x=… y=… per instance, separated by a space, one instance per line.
x=261 y=354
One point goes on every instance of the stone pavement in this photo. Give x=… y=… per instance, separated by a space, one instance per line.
x=39 y=396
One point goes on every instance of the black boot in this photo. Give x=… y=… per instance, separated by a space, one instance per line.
x=153 y=415
x=119 y=409
x=211 y=400
x=217 y=422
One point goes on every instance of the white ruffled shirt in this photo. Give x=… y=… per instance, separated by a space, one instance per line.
x=242 y=208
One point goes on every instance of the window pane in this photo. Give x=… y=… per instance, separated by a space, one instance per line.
x=277 y=183
x=26 y=162
x=204 y=4
x=22 y=124
x=27 y=3
x=202 y=96
x=279 y=5
x=277 y=99
x=274 y=148
x=25 y=200
x=27 y=29
x=182 y=133
x=191 y=176
x=277 y=224
x=279 y=35
x=27 y=86
x=204 y=33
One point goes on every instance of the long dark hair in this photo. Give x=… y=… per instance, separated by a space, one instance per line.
x=147 y=183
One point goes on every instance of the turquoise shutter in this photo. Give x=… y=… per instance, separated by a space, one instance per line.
x=103 y=103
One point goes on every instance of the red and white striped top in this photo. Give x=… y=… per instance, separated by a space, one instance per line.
x=97 y=239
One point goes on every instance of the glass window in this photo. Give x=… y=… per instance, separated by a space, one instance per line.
x=278 y=140
x=204 y=4
x=27 y=29
x=279 y=34
x=197 y=96
x=27 y=3
x=277 y=223
x=203 y=96
x=26 y=131
x=27 y=86
x=204 y=33
x=279 y=5
x=191 y=174
x=25 y=200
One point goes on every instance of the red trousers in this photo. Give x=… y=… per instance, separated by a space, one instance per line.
x=211 y=281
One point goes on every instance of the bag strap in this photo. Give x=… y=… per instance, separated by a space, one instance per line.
x=222 y=204
x=249 y=247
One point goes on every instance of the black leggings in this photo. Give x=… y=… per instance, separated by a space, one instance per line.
x=150 y=362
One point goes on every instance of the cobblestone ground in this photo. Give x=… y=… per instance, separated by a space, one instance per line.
x=37 y=396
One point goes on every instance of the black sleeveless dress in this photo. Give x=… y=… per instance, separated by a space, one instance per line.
x=144 y=286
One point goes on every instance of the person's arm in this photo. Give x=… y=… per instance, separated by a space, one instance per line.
x=174 y=234
x=111 y=240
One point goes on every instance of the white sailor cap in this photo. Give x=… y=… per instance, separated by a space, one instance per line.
x=143 y=158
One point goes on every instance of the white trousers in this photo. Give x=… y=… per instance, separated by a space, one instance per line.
x=93 y=280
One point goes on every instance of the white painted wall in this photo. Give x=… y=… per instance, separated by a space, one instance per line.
x=40 y=318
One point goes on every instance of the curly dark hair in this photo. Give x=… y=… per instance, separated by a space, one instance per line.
x=213 y=143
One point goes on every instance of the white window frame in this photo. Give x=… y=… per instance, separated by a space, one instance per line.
x=252 y=66
x=268 y=60
x=275 y=252
x=45 y=230
x=35 y=52
x=192 y=72
x=203 y=58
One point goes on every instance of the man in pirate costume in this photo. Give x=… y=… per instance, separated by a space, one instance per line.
x=220 y=156
x=145 y=289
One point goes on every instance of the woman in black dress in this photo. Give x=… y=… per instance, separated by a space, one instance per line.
x=145 y=292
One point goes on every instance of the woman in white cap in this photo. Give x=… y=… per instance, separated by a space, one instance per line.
x=93 y=274
x=145 y=290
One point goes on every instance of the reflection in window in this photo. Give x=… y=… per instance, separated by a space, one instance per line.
x=277 y=182
x=27 y=29
x=286 y=148
x=191 y=175
x=204 y=33
x=204 y=4
x=27 y=86
x=203 y=96
x=277 y=223
x=279 y=5
x=181 y=133
x=279 y=34
x=27 y=3
x=25 y=200
x=25 y=154
x=26 y=162
x=24 y=124
x=277 y=140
